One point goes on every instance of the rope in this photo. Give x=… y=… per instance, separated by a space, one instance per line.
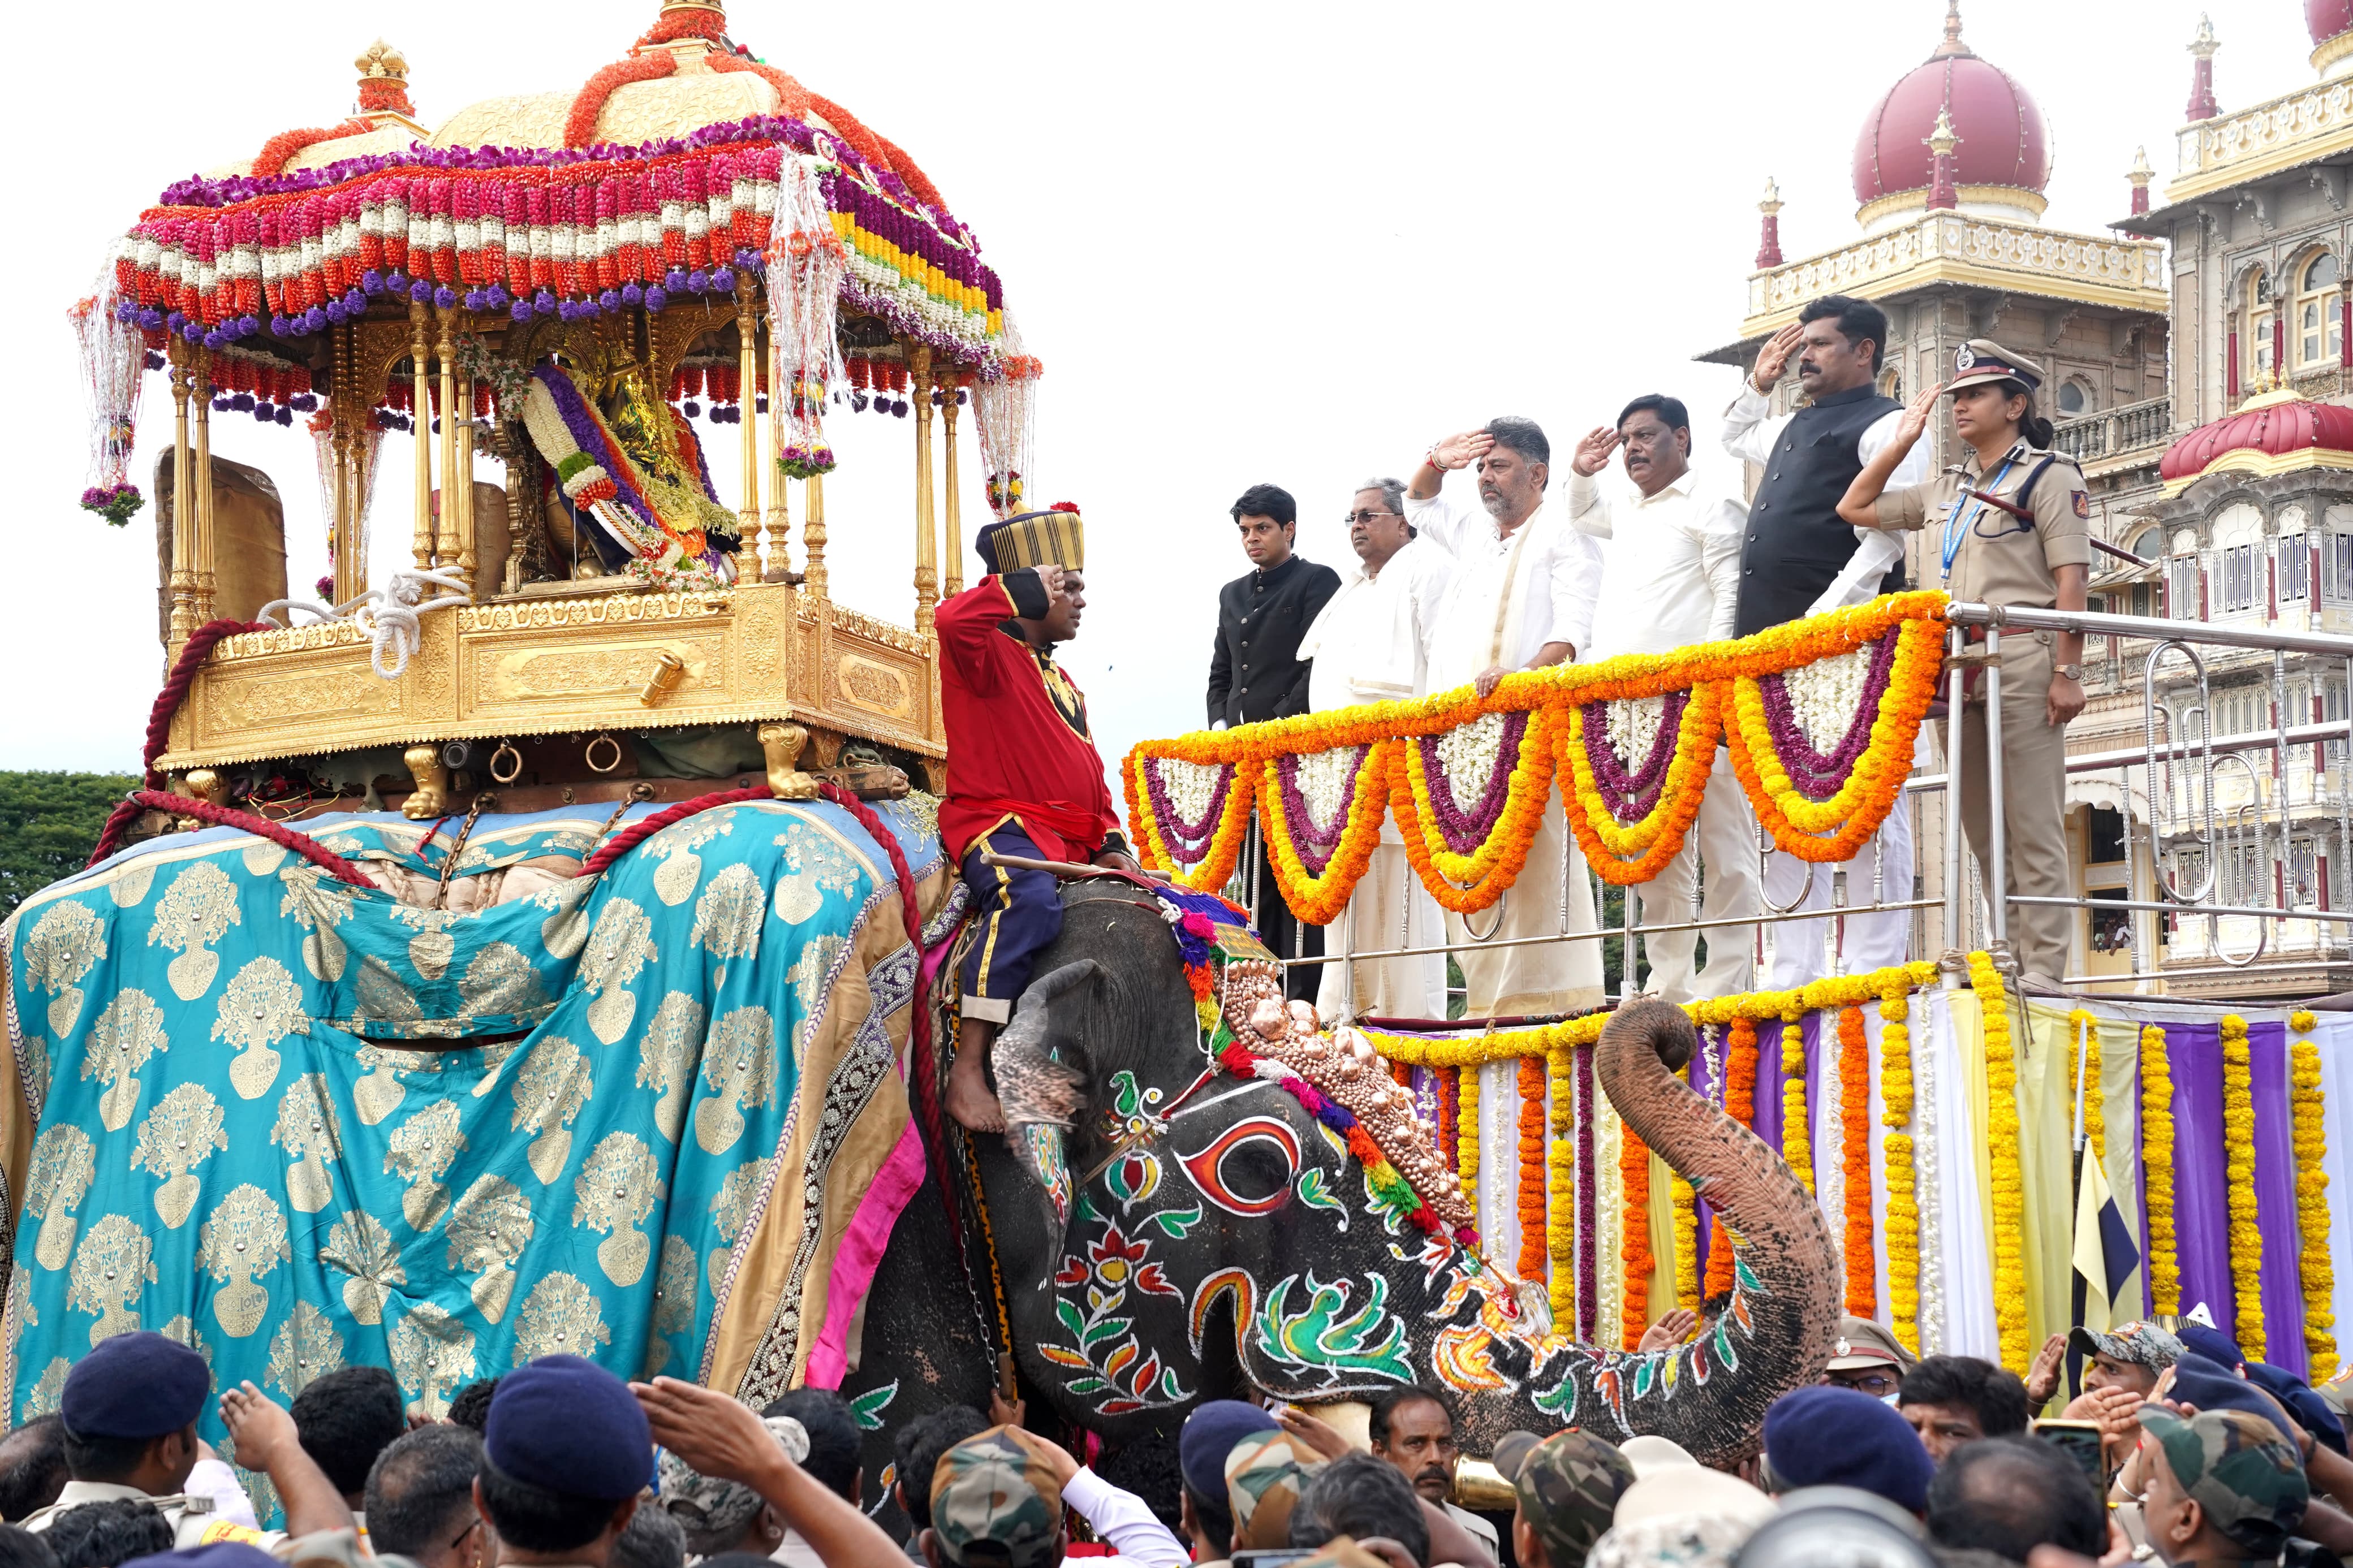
x=310 y=848
x=637 y=832
x=389 y=615
x=159 y=725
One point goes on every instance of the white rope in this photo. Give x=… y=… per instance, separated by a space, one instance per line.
x=390 y=614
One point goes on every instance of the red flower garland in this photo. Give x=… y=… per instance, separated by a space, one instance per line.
x=1854 y=1150
x=1634 y=1251
x=1533 y=1250
x=792 y=98
x=1740 y=1104
x=280 y=149
x=580 y=125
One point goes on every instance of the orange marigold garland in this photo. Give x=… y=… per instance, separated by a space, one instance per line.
x=1466 y=884
x=1627 y=853
x=1854 y=1160
x=1740 y=1104
x=2156 y=1167
x=2239 y=1182
x=1532 y=1168
x=1796 y=1139
x=1318 y=897
x=580 y=124
x=2314 y=1271
x=2009 y=1179
x=1896 y=1098
x=1224 y=847
x=280 y=149
x=1634 y=1249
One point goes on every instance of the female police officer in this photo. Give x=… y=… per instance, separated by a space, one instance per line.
x=2010 y=525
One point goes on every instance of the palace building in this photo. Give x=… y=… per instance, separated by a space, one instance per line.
x=2199 y=354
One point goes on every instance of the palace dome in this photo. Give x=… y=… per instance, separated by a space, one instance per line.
x=2003 y=159
x=2272 y=433
x=2327 y=18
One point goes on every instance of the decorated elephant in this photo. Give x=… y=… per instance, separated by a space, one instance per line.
x=1190 y=1234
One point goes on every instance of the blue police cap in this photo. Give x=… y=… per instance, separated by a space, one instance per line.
x=566 y=1424
x=220 y=1554
x=135 y=1386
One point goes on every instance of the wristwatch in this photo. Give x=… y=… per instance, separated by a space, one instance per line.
x=2071 y=671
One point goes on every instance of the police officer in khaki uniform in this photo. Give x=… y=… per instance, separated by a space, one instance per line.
x=2009 y=526
x=129 y=1409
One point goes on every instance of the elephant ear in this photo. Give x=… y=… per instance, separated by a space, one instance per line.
x=1040 y=1089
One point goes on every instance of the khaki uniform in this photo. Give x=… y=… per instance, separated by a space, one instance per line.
x=192 y=1519
x=1991 y=556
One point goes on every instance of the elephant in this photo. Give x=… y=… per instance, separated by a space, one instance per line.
x=1192 y=1236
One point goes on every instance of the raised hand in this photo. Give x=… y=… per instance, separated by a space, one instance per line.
x=716 y=1435
x=2042 y=1377
x=1593 y=452
x=1669 y=1331
x=259 y=1427
x=1313 y=1431
x=1773 y=359
x=1462 y=451
x=1916 y=416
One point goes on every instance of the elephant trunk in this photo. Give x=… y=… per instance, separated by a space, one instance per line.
x=1779 y=1331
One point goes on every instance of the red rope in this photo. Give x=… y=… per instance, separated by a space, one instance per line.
x=311 y=849
x=159 y=724
x=637 y=832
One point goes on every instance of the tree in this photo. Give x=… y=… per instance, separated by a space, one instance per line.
x=48 y=825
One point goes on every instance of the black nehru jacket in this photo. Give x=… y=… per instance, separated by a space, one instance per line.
x=1796 y=543
x=1255 y=670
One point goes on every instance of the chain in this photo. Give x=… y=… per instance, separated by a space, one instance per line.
x=483 y=801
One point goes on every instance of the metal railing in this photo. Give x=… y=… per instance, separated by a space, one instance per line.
x=2136 y=427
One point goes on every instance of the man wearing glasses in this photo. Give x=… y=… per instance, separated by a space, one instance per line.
x=1368 y=646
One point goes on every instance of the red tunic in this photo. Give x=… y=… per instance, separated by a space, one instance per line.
x=1018 y=740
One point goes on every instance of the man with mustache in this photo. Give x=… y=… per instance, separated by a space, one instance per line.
x=1368 y=647
x=1413 y=1430
x=1800 y=558
x=1671 y=578
x=1522 y=597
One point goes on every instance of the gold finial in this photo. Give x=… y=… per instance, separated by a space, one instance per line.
x=1952 y=44
x=1943 y=137
x=2204 y=45
x=381 y=60
x=1772 y=201
x=383 y=83
x=2141 y=174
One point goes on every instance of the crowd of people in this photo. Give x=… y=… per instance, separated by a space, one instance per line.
x=2177 y=1449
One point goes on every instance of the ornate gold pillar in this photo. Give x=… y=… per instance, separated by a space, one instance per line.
x=460 y=480
x=955 y=576
x=445 y=535
x=200 y=514
x=747 y=361
x=184 y=484
x=927 y=544
x=345 y=447
x=420 y=350
x=813 y=537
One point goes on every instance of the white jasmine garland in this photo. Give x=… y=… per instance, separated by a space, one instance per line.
x=1826 y=695
x=1470 y=753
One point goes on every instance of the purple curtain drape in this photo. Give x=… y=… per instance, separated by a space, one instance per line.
x=1812 y=1027
x=2201 y=1214
x=2283 y=1296
x=1703 y=1084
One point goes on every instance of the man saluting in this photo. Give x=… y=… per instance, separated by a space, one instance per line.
x=1024 y=778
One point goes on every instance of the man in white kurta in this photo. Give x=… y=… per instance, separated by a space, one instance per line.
x=1525 y=582
x=1670 y=579
x=1368 y=647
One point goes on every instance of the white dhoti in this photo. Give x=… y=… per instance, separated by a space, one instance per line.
x=1391 y=909
x=1881 y=871
x=1724 y=837
x=1540 y=977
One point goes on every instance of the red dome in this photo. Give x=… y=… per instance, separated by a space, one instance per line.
x=2274 y=430
x=2003 y=142
x=2327 y=18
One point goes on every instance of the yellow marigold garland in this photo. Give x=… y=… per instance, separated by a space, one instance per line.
x=1225 y=844
x=1318 y=900
x=2009 y=1180
x=2314 y=1271
x=1466 y=1128
x=2238 y=1183
x=1686 y=1206
x=2086 y=1062
x=1467 y=883
x=1796 y=1139
x=1560 y=1226
x=1903 y=1226
x=1740 y=1104
x=1638 y=851
x=1634 y=1248
x=2157 y=1171
x=1854 y=1162
x=1532 y=1168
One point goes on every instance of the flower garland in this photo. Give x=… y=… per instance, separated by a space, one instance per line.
x=1560 y=1214
x=2083 y=1061
x=1532 y=1169
x=2239 y=1181
x=2314 y=1271
x=1202 y=860
x=1624 y=852
x=1318 y=868
x=1467 y=869
x=2009 y=1180
x=1601 y=1242
x=1797 y=1140
x=1589 y=1216
x=1740 y=1066
x=2157 y=1171
x=276 y=151
x=1634 y=1247
x=1466 y=1121
x=1685 y=1202
x=1897 y=1160
x=1854 y=1154
x=1449 y=1082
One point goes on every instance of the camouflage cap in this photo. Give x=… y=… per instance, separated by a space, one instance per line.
x=2138 y=1343
x=1568 y=1488
x=705 y=1506
x=2239 y=1468
x=1265 y=1473
x=995 y=1502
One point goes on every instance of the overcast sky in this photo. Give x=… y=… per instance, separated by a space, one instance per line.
x=1269 y=241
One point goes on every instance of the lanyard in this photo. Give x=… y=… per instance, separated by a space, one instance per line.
x=1956 y=528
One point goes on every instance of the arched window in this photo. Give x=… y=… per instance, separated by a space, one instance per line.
x=2259 y=315
x=2319 y=313
x=1891 y=383
x=2074 y=398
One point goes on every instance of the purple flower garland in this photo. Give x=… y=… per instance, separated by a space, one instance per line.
x=1587 y=1293
x=1177 y=833
x=1463 y=831
x=589 y=434
x=1813 y=776
x=1631 y=797
x=1316 y=843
